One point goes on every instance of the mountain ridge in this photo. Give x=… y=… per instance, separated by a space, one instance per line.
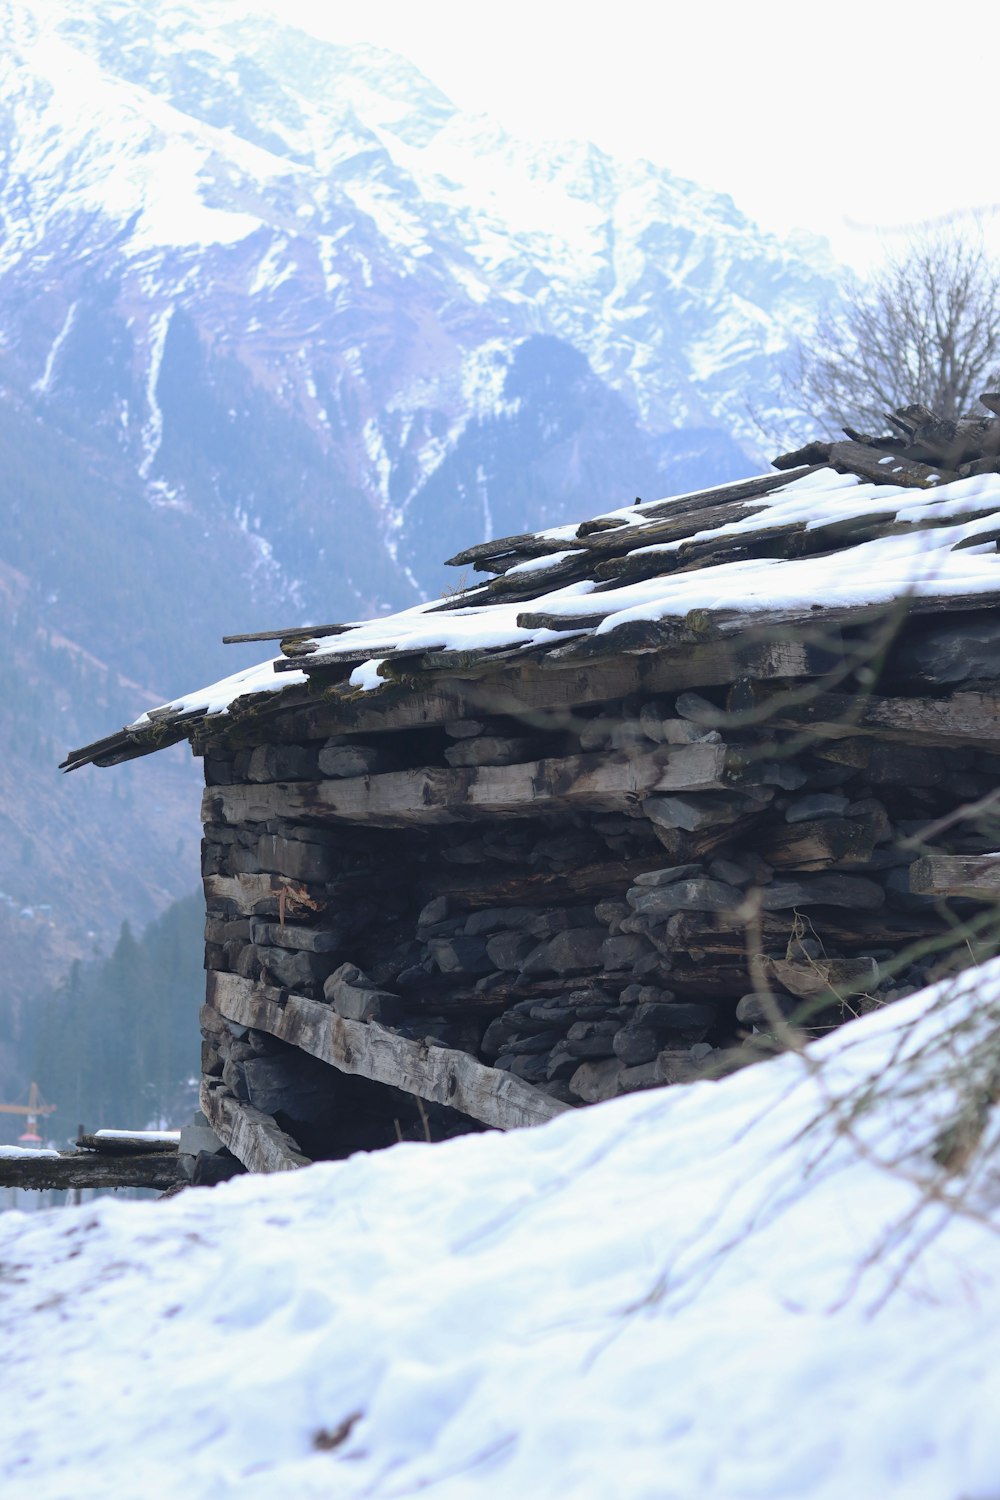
x=280 y=328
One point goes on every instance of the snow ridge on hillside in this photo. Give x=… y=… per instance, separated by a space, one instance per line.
x=763 y=1286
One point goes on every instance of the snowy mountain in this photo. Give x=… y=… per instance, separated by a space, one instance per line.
x=308 y=298
x=280 y=329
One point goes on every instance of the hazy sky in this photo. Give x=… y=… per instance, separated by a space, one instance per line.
x=854 y=120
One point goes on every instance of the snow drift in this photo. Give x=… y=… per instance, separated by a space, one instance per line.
x=759 y=1287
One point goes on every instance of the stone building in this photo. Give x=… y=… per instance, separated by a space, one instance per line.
x=659 y=793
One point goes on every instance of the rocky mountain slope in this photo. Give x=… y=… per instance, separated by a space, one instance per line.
x=289 y=280
x=281 y=327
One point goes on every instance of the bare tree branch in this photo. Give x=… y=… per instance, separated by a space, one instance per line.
x=925 y=330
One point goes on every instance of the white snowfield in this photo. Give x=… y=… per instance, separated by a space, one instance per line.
x=716 y=1292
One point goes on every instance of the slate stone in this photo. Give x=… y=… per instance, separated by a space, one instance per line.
x=676 y=1067
x=491 y=750
x=561 y=1064
x=293 y=1084
x=497 y=919
x=294 y=970
x=653 y=965
x=460 y=955
x=296 y=858
x=247 y=963
x=610 y=912
x=591 y=995
x=589 y=1046
x=292 y=935
x=354 y=997
x=199 y=1136
x=595 y=1081
x=498 y=1033
x=676 y=1015
x=691 y=811
x=636 y=1080
x=783 y=773
x=548 y=923
x=851 y=891
x=730 y=872
x=436 y=910
x=450 y=927
x=572 y=951
x=628 y=734
x=636 y=1044
x=603 y=1026
x=815 y=805
x=656 y=878
x=220 y=770
x=624 y=951
x=464 y=729
x=549 y=1014
x=282 y=763
x=533 y=1041
x=906 y=765
x=644 y=994
x=756 y=1010
x=414 y=977
x=232 y=1077
x=338 y=761
x=761 y=873
x=685 y=895
x=596 y=733
x=531 y=1068
x=508 y=950
x=698 y=709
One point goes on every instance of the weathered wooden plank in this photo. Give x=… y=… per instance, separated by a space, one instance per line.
x=699 y=657
x=731 y=629
x=532 y=687
x=123 y=1143
x=92 y=1169
x=525 y=544
x=886 y=468
x=467 y=887
x=260 y=896
x=971 y=719
x=707 y=501
x=440 y=1074
x=295 y=633
x=252 y=1137
x=432 y=794
x=974 y=876
x=820 y=842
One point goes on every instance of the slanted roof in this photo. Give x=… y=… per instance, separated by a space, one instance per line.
x=854 y=528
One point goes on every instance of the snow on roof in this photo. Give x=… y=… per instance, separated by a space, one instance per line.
x=763 y=1286
x=811 y=544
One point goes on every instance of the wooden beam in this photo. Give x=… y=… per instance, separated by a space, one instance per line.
x=886 y=468
x=252 y=1137
x=92 y=1169
x=607 y=782
x=522 y=692
x=976 y=877
x=260 y=896
x=971 y=719
x=296 y=632
x=440 y=1074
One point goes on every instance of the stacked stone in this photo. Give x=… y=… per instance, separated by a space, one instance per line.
x=588 y=953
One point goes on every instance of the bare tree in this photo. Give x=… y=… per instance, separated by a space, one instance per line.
x=925 y=329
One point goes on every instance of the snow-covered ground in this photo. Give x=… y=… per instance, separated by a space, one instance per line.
x=751 y=1288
